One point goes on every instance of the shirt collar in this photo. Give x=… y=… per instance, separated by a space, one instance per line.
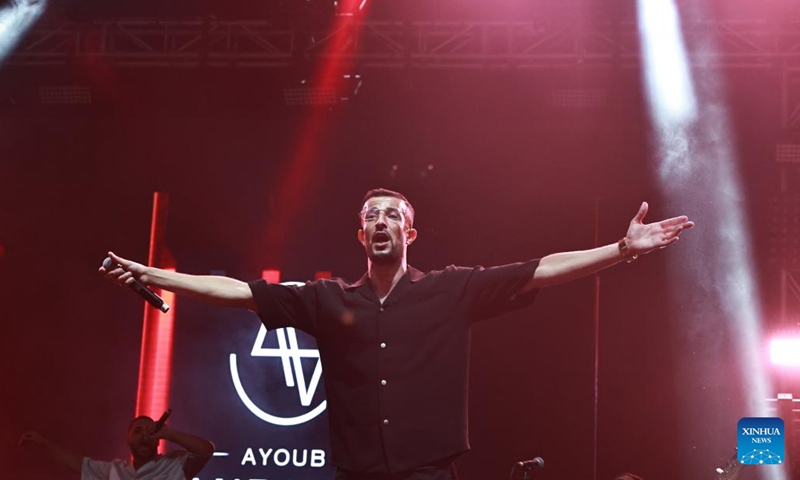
x=412 y=274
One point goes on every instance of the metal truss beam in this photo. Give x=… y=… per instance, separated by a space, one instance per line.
x=385 y=45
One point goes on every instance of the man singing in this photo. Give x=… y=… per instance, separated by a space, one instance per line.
x=395 y=344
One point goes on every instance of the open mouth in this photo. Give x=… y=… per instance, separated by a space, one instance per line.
x=380 y=239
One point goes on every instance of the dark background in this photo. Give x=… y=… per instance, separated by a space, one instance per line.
x=513 y=178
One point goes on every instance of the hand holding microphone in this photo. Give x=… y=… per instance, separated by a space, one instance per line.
x=122 y=272
x=159 y=424
x=537 y=462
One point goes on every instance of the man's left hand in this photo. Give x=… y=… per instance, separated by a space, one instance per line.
x=644 y=238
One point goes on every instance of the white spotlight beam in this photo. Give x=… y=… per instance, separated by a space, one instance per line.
x=665 y=64
x=15 y=20
x=697 y=170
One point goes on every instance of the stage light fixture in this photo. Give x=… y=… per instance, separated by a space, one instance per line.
x=787 y=153
x=310 y=96
x=65 y=95
x=784 y=230
x=307 y=95
x=785 y=351
x=349 y=8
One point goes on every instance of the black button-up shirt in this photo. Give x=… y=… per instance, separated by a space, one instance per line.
x=396 y=373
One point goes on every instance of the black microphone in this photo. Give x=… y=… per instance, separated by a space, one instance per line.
x=537 y=462
x=162 y=420
x=139 y=288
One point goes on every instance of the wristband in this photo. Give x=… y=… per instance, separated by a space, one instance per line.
x=625 y=251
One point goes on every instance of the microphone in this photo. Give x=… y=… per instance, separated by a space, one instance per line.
x=140 y=288
x=162 y=420
x=537 y=462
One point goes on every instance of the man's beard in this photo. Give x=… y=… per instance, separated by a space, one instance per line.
x=386 y=257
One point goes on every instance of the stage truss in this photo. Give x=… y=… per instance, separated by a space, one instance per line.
x=524 y=45
x=544 y=45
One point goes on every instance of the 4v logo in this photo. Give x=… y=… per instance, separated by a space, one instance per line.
x=291 y=356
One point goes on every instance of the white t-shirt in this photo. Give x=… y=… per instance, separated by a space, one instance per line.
x=164 y=467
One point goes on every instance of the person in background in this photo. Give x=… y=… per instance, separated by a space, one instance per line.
x=146 y=463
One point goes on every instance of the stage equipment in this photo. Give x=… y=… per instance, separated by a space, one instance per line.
x=527 y=466
x=65 y=95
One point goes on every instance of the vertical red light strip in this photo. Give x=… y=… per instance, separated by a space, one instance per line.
x=155 y=361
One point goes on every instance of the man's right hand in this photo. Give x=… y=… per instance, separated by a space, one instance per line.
x=217 y=290
x=124 y=271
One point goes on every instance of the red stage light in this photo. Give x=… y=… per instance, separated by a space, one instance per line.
x=322 y=274
x=271 y=275
x=155 y=360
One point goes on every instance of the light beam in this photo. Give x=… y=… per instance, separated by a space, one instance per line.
x=15 y=20
x=698 y=173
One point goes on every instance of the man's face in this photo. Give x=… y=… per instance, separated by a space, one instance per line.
x=385 y=229
x=142 y=444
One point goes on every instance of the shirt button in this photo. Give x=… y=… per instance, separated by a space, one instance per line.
x=382 y=309
x=383 y=382
x=383 y=345
x=386 y=422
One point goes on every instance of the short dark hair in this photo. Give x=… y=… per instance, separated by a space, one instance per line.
x=140 y=417
x=385 y=192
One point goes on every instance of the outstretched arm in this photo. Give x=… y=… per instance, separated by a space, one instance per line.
x=53 y=450
x=200 y=449
x=222 y=291
x=640 y=239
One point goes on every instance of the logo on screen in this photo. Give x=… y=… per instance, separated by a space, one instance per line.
x=291 y=356
x=761 y=441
